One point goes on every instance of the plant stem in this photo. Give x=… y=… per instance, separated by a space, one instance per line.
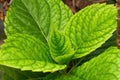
x=118 y=24
x=75 y=65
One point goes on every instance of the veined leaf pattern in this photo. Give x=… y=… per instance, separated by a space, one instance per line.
x=27 y=53
x=60 y=47
x=91 y=27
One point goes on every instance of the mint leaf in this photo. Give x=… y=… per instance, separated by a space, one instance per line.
x=110 y=42
x=60 y=13
x=28 y=18
x=35 y=17
x=28 y=32
x=60 y=47
x=27 y=53
x=104 y=67
x=91 y=27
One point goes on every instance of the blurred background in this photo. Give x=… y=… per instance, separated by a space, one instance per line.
x=2 y=34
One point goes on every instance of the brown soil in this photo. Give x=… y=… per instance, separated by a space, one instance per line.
x=76 y=5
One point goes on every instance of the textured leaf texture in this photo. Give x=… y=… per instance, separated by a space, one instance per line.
x=27 y=30
x=27 y=53
x=60 y=13
x=60 y=47
x=103 y=67
x=34 y=17
x=91 y=27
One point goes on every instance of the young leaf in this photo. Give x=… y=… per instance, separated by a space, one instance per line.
x=60 y=47
x=35 y=16
x=104 y=67
x=91 y=27
x=27 y=53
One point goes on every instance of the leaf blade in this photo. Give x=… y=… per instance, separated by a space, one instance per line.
x=60 y=47
x=32 y=54
x=16 y=74
x=104 y=67
x=35 y=17
x=23 y=14
x=87 y=33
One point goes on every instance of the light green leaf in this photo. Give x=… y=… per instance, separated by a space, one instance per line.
x=104 y=67
x=60 y=47
x=60 y=13
x=34 y=17
x=27 y=31
x=27 y=53
x=110 y=42
x=91 y=27
x=28 y=18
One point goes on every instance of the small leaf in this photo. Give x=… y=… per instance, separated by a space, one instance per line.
x=104 y=67
x=91 y=27
x=27 y=53
x=60 y=47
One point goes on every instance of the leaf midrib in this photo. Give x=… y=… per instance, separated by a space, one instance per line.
x=35 y=22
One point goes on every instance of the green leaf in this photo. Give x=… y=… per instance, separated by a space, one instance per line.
x=110 y=42
x=27 y=53
x=34 y=17
x=60 y=47
x=91 y=27
x=15 y=74
x=7 y=77
x=60 y=13
x=27 y=31
x=28 y=18
x=58 y=76
x=104 y=67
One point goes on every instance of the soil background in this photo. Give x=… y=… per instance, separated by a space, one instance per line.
x=76 y=5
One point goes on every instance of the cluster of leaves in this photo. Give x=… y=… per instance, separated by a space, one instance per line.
x=43 y=37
